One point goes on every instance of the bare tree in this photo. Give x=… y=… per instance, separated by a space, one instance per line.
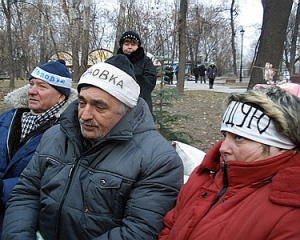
x=182 y=45
x=120 y=26
x=271 y=43
x=233 y=34
x=7 y=12
x=293 y=45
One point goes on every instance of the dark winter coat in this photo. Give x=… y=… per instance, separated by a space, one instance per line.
x=238 y=200
x=15 y=155
x=196 y=71
x=145 y=73
x=120 y=188
x=202 y=70
x=212 y=71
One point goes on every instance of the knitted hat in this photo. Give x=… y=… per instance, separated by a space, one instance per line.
x=56 y=74
x=130 y=35
x=116 y=77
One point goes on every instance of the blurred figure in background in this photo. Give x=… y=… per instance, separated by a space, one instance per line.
x=212 y=72
x=202 y=72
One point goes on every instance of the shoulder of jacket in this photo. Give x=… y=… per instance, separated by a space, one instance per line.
x=285 y=186
x=72 y=97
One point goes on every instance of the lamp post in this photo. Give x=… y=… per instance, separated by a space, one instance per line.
x=241 y=67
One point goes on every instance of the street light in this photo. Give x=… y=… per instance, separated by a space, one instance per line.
x=241 y=68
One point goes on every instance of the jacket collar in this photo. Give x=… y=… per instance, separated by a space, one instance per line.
x=134 y=56
x=18 y=98
x=282 y=171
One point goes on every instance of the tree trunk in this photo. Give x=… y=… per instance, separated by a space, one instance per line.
x=233 y=47
x=294 y=41
x=85 y=39
x=6 y=10
x=275 y=19
x=120 y=26
x=182 y=45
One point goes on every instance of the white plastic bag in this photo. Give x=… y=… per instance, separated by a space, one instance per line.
x=190 y=156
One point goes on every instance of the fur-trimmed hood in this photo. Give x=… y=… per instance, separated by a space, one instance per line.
x=18 y=98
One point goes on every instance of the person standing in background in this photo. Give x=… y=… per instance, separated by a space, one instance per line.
x=145 y=72
x=212 y=72
x=196 y=72
x=171 y=74
x=202 y=71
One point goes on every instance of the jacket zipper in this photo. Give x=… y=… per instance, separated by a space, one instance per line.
x=8 y=134
x=225 y=183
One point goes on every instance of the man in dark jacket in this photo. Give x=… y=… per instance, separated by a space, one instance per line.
x=36 y=107
x=145 y=72
x=104 y=173
x=212 y=72
x=196 y=72
x=202 y=71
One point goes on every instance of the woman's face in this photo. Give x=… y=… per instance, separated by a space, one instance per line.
x=129 y=47
x=237 y=148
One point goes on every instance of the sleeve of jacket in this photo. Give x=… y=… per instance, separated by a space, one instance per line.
x=8 y=185
x=21 y=216
x=152 y=197
x=169 y=220
x=148 y=79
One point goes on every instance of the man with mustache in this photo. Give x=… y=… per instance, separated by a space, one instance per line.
x=104 y=173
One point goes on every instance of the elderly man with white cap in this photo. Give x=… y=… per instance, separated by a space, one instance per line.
x=104 y=173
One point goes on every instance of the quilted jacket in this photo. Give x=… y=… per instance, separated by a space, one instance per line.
x=120 y=188
x=238 y=200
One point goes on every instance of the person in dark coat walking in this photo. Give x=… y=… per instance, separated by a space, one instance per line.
x=145 y=72
x=196 y=72
x=212 y=72
x=202 y=71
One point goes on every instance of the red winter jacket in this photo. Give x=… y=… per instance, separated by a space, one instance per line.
x=238 y=200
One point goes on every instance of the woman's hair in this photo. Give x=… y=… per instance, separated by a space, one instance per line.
x=280 y=106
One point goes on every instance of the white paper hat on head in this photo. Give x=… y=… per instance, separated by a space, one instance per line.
x=116 y=77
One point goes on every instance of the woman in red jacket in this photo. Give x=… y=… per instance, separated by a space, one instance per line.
x=248 y=185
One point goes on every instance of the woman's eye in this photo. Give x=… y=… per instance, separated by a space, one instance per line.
x=238 y=137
